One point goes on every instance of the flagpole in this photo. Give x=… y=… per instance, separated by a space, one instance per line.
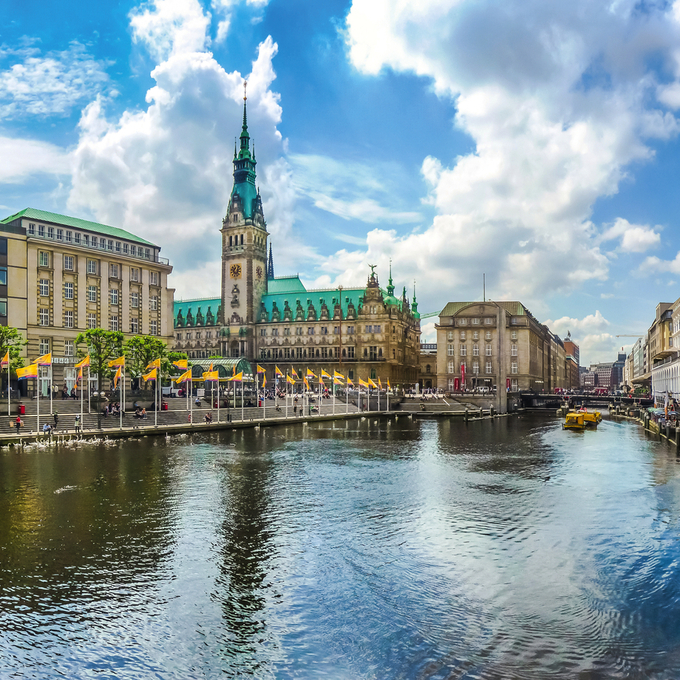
x=242 y=399
x=51 y=379
x=333 y=395
x=89 y=401
x=9 y=390
x=38 y=398
x=218 y=394
x=257 y=386
x=155 y=411
x=287 y=383
x=120 y=407
x=347 y=395
x=378 y=397
x=191 y=400
x=81 y=401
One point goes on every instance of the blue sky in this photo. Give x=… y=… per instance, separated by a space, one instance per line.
x=533 y=143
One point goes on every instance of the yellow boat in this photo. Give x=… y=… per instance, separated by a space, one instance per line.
x=580 y=420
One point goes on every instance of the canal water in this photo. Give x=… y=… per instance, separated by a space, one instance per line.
x=360 y=549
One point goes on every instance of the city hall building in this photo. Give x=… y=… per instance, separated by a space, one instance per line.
x=363 y=331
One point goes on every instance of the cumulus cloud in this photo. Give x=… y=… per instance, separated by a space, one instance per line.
x=655 y=265
x=171 y=27
x=559 y=100
x=590 y=334
x=30 y=158
x=635 y=238
x=165 y=172
x=33 y=84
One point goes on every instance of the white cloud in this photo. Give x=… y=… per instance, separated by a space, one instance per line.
x=558 y=99
x=590 y=334
x=655 y=265
x=593 y=323
x=171 y=27
x=30 y=158
x=165 y=172
x=48 y=85
x=340 y=188
x=635 y=238
x=224 y=8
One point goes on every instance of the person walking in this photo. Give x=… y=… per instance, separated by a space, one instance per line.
x=56 y=420
x=77 y=424
x=18 y=423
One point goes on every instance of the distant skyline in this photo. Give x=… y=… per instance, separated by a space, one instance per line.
x=533 y=142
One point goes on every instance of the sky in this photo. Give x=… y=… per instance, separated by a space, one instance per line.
x=528 y=142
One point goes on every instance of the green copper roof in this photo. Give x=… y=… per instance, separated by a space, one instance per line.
x=513 y=308
x=204 y=304
x=329 y=296
x=286 y=284
x=76 y=223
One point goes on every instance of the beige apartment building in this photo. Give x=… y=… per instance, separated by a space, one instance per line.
x=65 y=275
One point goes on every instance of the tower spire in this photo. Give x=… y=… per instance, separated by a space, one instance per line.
x=390 y=285
x=270 y=265
x=245 y=137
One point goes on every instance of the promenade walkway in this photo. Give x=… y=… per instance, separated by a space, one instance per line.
x=173 y=421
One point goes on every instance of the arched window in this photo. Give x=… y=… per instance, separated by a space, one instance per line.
x=241 y=239
x=230 y=241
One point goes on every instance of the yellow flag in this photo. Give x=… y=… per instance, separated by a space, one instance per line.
x=388 y=384
x=379 y=383
x=260 y=369
x=236 y=378
x=44 y=360
x=156 y=363
x=277 y=371
x=304 y=380
x=264 y=380
x=151 y=375
x=211 y=367
x=337 y=381
x=211 y=375
x=84 y=362
x=184 y=377
x=294 y=374
x=310 y=374
x=28 y=372
x=290 y=379
x=120 y=361
x=182 y=364
x=362 y=383
x=338 y=375
x=372 y=384
x=324 y=374
x=349 y=383
x=80 y=375
x=5 y=360
x=117 y=377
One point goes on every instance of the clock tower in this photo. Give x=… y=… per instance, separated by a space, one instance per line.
x=244 y=253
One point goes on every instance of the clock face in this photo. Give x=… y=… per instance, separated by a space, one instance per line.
x=258 y=272
x=235 y=271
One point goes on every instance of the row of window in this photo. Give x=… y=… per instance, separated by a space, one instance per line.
x=198 y=335
x=463 y=321
x=92 y=291
x=475 y=335
x=78 y=238
x=115 y=269
x=513 y=384
x=44 y=320
x=450 y=350
x=451 y=367
x=303 y=353
x=323 y=330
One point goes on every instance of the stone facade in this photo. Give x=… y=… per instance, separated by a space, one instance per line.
x=68 y=275
x=500 y=345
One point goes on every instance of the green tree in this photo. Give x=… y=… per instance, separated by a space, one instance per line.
x=102 y=346
x=11 y=340
x=141 y=350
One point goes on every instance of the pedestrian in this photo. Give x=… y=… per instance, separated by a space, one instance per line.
x=77 y=424
x=17 y=423
x=56 y=420
x=73 y=393
x=198 y=402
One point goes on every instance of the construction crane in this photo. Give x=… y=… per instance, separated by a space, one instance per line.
x=630 y=335
x=429 y=315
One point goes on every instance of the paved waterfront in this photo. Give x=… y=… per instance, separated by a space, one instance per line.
x=355 y=549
